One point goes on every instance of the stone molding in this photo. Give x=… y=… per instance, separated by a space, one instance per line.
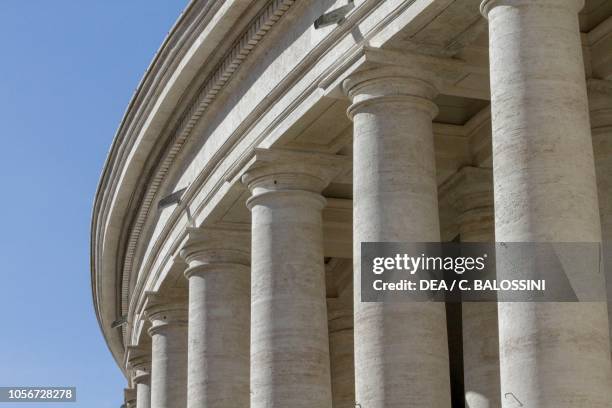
x=207 y=248
x=291 y=175
x=139 y=291
x=281 y=170
x=173 y=49
x=389 y=75
x=443 y=67
x=440 y=71
x=139 y=361
x=487 y=5
x=390 y=85
x=207 y=94
x=166 y=310
x=126 y=136
x=264 y=169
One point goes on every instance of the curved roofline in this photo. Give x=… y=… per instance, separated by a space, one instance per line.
x=176 y=41
x=199 y=52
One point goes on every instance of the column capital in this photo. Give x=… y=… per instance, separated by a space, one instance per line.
x=210 y=246
x=487 y=5
x=142 y=376
x=139 y=360
x=166 y=309
x=139 y=356
x=416 y=86
x=292 y=173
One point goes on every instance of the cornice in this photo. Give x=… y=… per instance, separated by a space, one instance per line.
x=192 y=12
x=208 y=247
x=205 y=96
x=183 y=125
x=196 y=15
x=361 y=12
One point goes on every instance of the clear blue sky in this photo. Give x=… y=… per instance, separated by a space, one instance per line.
x=67 y=71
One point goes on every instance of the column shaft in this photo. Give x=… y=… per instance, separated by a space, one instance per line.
x=552 y=354
x=219 y=318
x=139 y=360
x=401 y=354
x=169 y=356
x=143 y=389
x=341 y=353
x=289 y=336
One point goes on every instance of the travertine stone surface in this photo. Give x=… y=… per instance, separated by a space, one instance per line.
x=341 y=349
x=600 y=106
x=401 y=353
x=289 y=335
x=552 y=355
x=140 y=363
x=219 y=317
x=473 y=195
x=169 y=352
x=246 y=86
x=142 y=379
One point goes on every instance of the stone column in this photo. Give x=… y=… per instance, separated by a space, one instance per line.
x=341 y=352
x=219 y=317
x=142 y=379
x=552 y=354
x=169 y=351
x=289 y=338
x=600 y=106
x=140 y=362
x=129 y=398
x=401 y=353
x=471 y=191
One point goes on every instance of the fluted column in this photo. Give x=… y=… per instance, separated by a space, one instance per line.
x=471 y=191
x=169 y=352
x=140 y=362
x=401 y=354
x=341 y=352
x=600 y=106
x=219 y=318
x=289 y=337
x=552 y=354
